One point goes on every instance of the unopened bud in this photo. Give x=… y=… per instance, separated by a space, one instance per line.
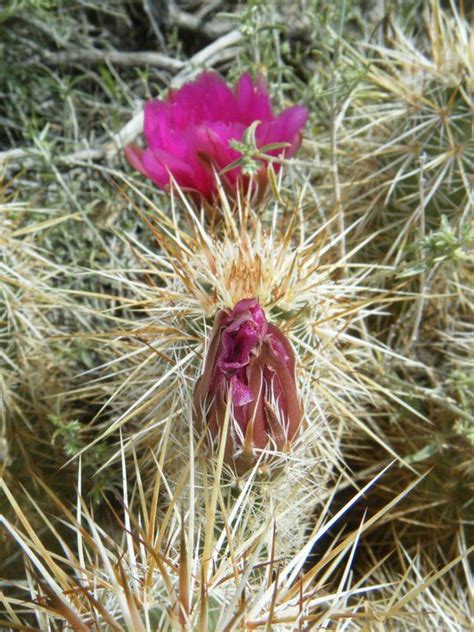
x=250 y=372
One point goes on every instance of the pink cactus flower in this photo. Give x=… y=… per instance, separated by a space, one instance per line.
x=251 y=362
x=189 y=133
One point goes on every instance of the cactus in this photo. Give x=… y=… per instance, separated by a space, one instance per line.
x=125 y=500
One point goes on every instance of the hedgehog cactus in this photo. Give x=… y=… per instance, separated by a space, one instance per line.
x=411 y=126
x=273 y=398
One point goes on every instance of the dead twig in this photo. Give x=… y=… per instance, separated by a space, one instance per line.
x=21 y=155
x=95 y=56
x=209 y=56
x=212 y=29
x=153 y=16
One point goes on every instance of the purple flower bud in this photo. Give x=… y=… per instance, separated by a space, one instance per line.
x=251 y=362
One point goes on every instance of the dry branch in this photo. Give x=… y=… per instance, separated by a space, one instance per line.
x=213 y=29
x=94 y=56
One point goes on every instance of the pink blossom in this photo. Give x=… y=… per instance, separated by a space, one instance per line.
x=188 y=133
x=251 y=362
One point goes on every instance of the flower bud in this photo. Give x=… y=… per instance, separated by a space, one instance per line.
x=249 y=373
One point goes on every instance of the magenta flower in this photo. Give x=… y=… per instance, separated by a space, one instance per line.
x=189 y=133
x=251 y=362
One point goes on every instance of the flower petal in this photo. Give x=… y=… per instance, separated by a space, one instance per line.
x=254 y=101
x=285 y=128
x=206 y=99
x=159 y=164
x=241 y=393
x=134 y=155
